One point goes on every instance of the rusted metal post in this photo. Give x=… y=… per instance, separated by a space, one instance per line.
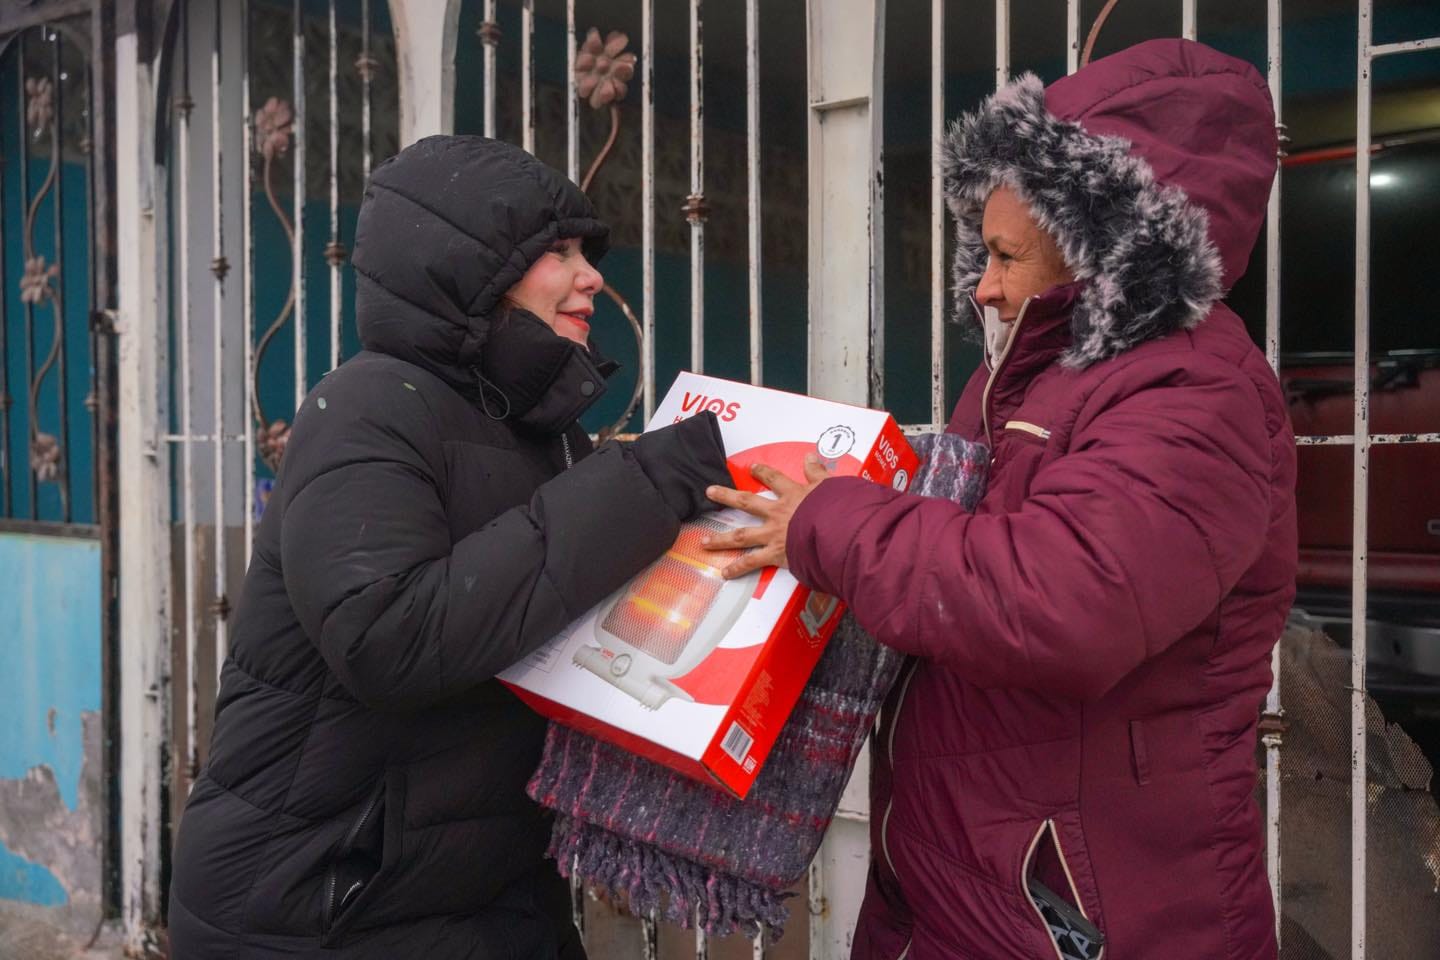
x=183 y=104
x=1360 y=501
x=144 y=567
x=219 y=268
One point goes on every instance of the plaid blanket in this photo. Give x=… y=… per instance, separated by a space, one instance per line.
x=697 y=855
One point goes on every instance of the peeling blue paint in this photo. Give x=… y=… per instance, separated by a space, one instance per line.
x=22 y=880
x=50 y=651
x=49 y=676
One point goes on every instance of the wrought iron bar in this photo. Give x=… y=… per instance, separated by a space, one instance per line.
x=183 y=106
x=247 y=275
x=695 y=207
x=1374 y=439
x=1072 y=36
x=752 y=180
x=937 y=214
x=527 y=75
x=25 y=202
x=298 y=264
x=6 y=460
x=1360 y=498
x=1407 y=46
x=1002 y=43
x=93 y=299
x=366 y=66
x=57 y=304
x=219 y=267
x=490 y=39
x=1272 y=720
x=572 y=102
x=647 y=200
x=334 y=250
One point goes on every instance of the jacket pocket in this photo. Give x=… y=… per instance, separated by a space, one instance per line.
x=356 y=865
x=1047 y=885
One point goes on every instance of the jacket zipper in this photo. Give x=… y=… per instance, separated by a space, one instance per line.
x=565 y=444
x=355 y=829
x=1034 y=429
x=995 y=373
x=1049 y=824
x=890 y=756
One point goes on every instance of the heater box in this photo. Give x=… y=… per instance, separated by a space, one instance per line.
x=682 y=666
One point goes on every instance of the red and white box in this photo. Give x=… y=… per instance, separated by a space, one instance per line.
x=688 y=669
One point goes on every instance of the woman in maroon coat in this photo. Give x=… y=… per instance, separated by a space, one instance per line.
x=1090 y=647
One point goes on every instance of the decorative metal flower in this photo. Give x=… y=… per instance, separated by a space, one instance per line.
x=39 y=103
x=272 y=442
x=274 y=124
x=45 y=457
x=602 y=69
x=366 y=66
x=35 y=282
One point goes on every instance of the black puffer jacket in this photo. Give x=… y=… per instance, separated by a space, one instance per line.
x=364 y=795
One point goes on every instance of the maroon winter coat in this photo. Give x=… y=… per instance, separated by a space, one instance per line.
x=1092 y=645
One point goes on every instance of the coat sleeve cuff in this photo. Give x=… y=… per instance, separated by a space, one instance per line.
x=823 y=528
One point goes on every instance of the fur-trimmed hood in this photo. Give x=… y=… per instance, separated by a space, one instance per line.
x=1151 y=168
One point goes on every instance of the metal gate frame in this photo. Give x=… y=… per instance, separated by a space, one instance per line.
x=102 y=291
x=846 y=266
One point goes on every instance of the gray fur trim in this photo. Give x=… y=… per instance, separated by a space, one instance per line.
x=1142 y=247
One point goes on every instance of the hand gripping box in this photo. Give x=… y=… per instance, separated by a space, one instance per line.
x=686 y=668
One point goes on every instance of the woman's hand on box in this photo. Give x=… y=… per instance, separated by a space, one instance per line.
x=765 y=544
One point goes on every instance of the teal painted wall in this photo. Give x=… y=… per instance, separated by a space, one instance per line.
x=49 y=681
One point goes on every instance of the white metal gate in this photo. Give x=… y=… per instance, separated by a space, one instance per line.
x=189 y=215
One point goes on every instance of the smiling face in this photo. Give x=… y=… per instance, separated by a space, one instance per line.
x=560 y=289
x=1024 y=260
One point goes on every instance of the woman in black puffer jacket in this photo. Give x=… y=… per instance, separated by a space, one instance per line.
x=440 y=514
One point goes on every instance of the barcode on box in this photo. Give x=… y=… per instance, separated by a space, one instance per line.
x=737 y=743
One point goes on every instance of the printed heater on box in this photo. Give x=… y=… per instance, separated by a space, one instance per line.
x=669 y=617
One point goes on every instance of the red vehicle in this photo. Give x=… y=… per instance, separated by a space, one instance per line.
x=1404 y=479
x=1317 y=369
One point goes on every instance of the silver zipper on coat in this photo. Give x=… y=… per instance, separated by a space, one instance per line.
x=350 y=839
x=1049 y=824
x=890 y=758
x=565 y=444
x=995 y=373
